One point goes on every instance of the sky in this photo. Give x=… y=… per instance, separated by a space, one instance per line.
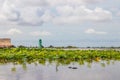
x=60 y=22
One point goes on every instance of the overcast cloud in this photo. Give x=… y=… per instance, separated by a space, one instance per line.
x=39 y=18
x=38 y=12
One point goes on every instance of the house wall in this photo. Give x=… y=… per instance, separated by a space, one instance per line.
x=5 y=42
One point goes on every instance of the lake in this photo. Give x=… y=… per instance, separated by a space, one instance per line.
x=103 y=70
x=78 y=43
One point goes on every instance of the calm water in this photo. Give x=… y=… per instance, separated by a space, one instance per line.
x=103 y=70
x=78 y=43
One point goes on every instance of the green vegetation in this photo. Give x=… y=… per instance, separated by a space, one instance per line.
x=22 y=55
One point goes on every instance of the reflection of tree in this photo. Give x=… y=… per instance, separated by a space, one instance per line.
x=89 y=65
x=24 y=66
x=35 y=63
x=81 y=62
x=42 y=61
x=63 y=61
x=108 y=62
x=13 y=69
x=57 y=65
x=113 y=62
x=103 y=64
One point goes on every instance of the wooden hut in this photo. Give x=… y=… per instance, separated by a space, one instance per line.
x=5 y=42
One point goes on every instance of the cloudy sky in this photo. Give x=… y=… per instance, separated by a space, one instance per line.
x=60 y=20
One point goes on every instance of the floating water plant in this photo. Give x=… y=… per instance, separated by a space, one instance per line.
x=21 y=55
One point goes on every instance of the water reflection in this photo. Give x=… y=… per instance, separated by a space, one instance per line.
x=55 y=70
x=71 y=64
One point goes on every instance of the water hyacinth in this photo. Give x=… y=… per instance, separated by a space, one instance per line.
x=20 y=55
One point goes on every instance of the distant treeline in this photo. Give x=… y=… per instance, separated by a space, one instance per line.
x=60 y=47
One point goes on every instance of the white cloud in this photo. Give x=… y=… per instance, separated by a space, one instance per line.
x=118 y=14
x=47 y=17
x=92 y=31
x=29 y=15
x=37 y=12
x=40 y=33
x=76 y=15
x=14 y=31
x=13 y=12
x=25 y=3
x=72 y=2
x=8 y=11
x=93 y=1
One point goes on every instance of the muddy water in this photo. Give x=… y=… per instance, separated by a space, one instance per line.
x=103 y=70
